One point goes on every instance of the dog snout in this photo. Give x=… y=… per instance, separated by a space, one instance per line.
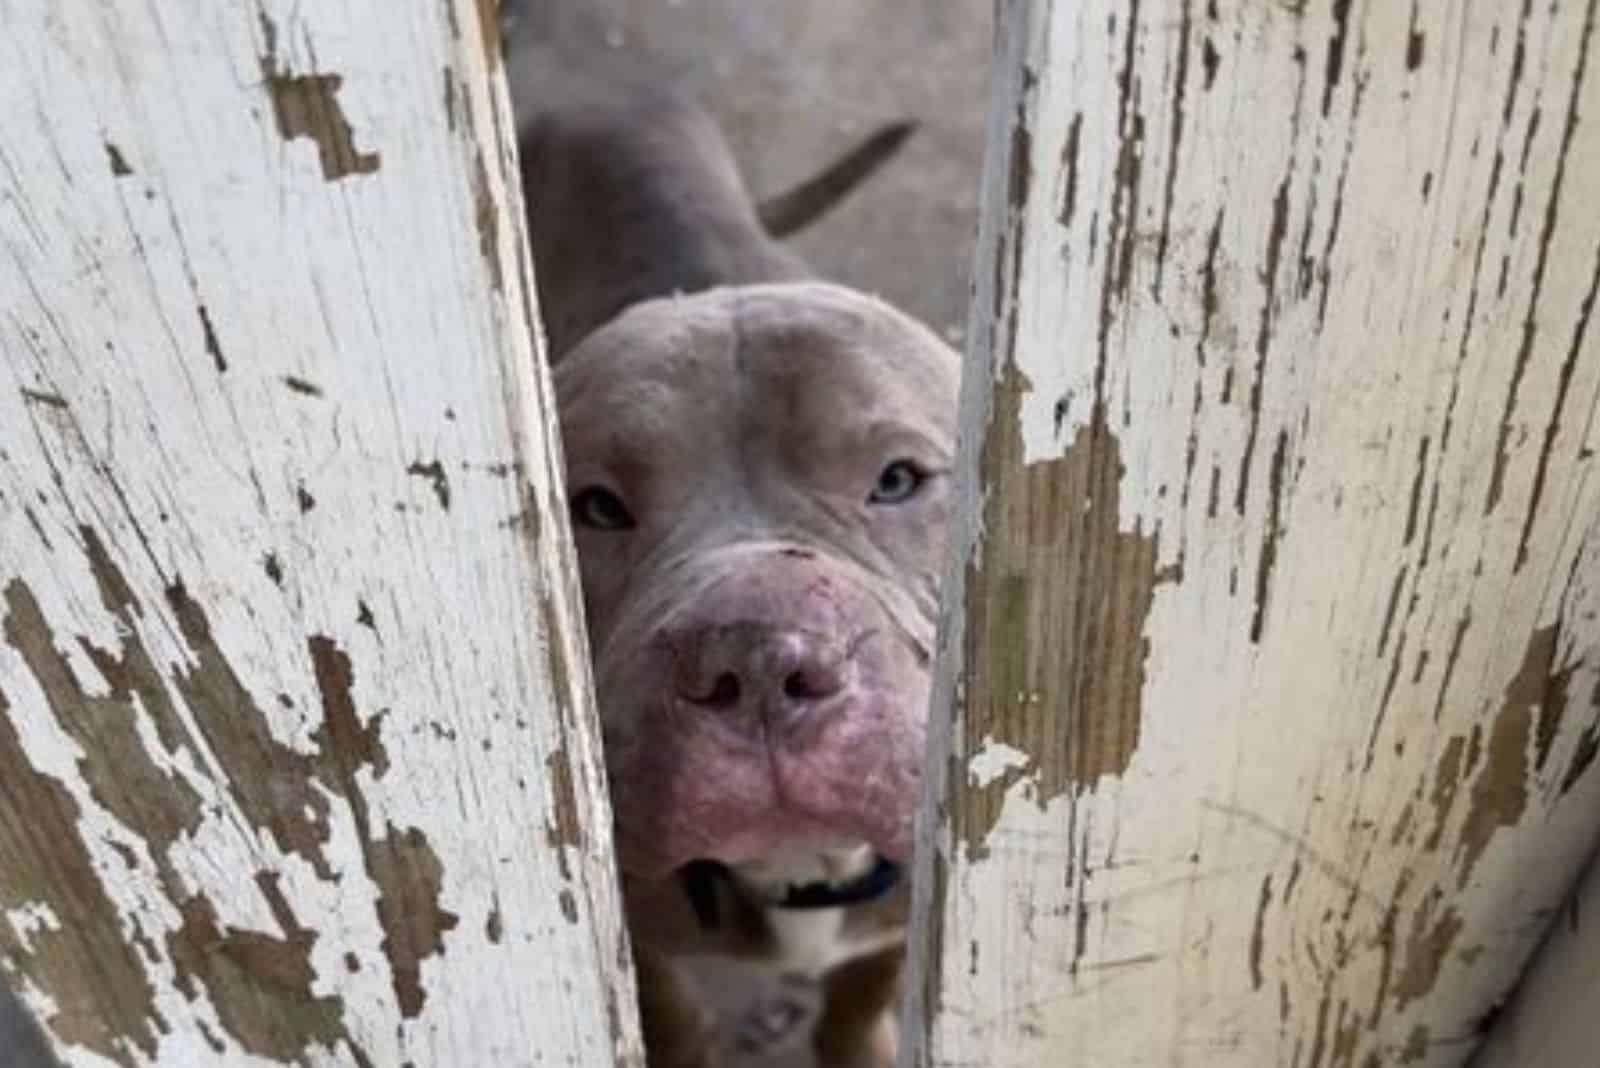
x=750 y=669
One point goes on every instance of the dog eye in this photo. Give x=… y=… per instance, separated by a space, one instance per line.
x=600 y=509
x=898 y=482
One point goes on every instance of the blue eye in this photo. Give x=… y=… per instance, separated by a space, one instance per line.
x=599 y=509
x=897 y=483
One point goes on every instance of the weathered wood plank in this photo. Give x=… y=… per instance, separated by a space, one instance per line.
x=1551 y=1018
x=298 y=759
x=1274 y=654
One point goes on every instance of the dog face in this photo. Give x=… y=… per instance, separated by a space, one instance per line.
x=759 y=482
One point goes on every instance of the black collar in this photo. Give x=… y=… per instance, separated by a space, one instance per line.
x=700 y=879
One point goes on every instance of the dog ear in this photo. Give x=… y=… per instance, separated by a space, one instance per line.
x=793 y=211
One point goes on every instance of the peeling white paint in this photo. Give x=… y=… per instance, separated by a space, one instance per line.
x=31 y=918
x=993 y=761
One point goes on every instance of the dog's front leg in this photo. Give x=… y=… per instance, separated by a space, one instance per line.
x=679 y=1031
x=857 y=1027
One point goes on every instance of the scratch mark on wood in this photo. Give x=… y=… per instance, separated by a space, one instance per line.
x=1336 y=47
x=1452 y=657
x=48 y=400
x=213 y=346
x=1258 y=932
x=1329 y=868
x=1583 y=755
x=1269 y=539
x=1389 y=611
x=1416 y=490
x=1069 y=164
x=1415 y=41
x=119 y=165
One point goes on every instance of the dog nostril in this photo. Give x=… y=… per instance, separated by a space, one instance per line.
x=810 y=686
x=724 y=691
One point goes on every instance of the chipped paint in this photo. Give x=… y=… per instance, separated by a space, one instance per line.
x=307 y=105
x=119 y=163
x=30 y=918
x=433 y=472
x=261 y=984
x=1057 y=547
x=1499 y=795
x=994 y=760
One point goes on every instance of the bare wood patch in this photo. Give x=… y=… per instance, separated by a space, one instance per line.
x=307 y=105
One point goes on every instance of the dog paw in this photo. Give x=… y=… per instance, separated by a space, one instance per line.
x=874 y=1048
x=771 y=1023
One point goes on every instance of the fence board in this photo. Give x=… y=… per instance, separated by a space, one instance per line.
x=298 y=758
x=1273 y=659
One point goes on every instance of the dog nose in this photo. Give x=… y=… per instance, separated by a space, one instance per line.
x=749 y=668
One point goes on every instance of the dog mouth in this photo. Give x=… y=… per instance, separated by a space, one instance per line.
x=701 y=877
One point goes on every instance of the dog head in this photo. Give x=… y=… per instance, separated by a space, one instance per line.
x=759 y=481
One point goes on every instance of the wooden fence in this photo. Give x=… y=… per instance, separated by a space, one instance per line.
x=1270 y=673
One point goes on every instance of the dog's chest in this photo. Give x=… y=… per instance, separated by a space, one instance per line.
x=812 y=941
x=806 y=941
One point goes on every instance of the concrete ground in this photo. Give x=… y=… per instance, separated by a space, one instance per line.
x=796 y=83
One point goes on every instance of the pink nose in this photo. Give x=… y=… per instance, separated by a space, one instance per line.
x=746 y=669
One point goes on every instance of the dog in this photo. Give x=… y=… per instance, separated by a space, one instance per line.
x=758 y=463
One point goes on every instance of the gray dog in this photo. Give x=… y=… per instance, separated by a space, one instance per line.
x=758 y=464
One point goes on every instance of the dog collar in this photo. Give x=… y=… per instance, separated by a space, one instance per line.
x=700 y=879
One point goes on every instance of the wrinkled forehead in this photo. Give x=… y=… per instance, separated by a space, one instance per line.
x=777 y=349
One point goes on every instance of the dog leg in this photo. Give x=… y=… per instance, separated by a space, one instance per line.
x=679 y=1031
x=857 y=1028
